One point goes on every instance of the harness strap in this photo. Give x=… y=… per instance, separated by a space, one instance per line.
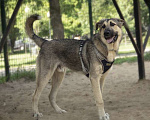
x=43 y=43
x=106 y=65
x=103 y=60
x=85 y=70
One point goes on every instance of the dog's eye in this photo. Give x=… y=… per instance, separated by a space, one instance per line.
x=104 y=26
x=112 y=24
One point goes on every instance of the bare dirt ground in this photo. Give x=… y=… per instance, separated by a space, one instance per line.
x=124 y=97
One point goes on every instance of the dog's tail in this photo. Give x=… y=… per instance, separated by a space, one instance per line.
x=29 y=29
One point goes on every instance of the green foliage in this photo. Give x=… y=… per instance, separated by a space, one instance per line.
x=2 y=79
x=23 y=74
x=28 y=75
x=75 y=15
x=147 y=57
x=131 y=59
x=126 y=59
x=29 y=7
x=70 y=17
x=144 y=16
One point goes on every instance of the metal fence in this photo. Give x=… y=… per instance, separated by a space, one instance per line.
x=23 y=57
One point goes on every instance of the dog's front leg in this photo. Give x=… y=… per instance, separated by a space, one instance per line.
x=102 y=80
x=95 y=81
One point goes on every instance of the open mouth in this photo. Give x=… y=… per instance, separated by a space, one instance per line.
x=112 y=39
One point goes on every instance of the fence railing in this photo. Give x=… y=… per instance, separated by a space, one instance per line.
x=23 y=57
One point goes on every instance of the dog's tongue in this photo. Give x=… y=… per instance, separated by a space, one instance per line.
x=110 y=40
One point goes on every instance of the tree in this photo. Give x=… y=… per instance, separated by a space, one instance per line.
x=70 y=17
x=56 y=22
x=74 y=15
x=13 y=35
x=14 y=32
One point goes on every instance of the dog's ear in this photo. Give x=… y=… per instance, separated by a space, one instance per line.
x=100 y=23
x=120 y=22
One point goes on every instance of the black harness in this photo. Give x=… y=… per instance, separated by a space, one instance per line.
x=105 y=64
x=85 y=70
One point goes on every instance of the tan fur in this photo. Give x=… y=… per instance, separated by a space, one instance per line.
x=57 y=55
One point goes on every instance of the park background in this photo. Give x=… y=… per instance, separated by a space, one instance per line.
x=22 y=51
x=125 y=96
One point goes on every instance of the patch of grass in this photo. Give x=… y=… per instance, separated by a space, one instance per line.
x=131 y=59
x=126 y=52
x=147 y=57
x=28 y=75
x=2 y=79
x=126 y=59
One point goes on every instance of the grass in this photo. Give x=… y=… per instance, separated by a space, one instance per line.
x=131 y=59
x=126 y=52
x=28 y=75
x=126 y=59
x=147 y=57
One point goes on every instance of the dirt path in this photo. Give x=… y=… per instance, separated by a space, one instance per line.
x=124 y=98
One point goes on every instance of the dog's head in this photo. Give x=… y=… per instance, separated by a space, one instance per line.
x=110 y=30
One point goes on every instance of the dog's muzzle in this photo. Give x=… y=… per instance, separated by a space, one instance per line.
x=110 y=36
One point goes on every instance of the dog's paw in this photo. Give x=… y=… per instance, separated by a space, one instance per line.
x=36 y=115
x=60 y=111
x=106 y=117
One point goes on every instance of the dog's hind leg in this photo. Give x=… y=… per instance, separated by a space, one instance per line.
x=56 y=81
x=44 y=73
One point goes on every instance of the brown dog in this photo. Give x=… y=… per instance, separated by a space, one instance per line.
x=92 y=57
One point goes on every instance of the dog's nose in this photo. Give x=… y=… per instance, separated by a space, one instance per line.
x=107 y=33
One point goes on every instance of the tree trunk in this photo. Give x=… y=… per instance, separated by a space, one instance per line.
x=56 y=22
x=12 y=41
x=13 y=35
x=6 y=61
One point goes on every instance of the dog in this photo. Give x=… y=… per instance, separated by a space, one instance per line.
x=93 y=57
